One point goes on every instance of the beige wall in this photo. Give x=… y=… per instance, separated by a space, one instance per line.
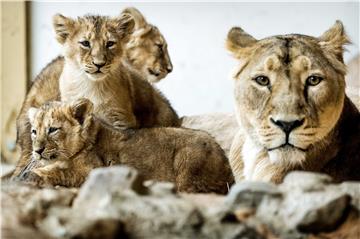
x=13 y=72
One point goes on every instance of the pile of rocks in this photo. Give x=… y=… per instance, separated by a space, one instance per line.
x=115 y=203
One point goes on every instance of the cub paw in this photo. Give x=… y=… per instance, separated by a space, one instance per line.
x=32 y=178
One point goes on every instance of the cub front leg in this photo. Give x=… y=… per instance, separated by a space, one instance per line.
x=53 y=176
x=33 y=178
x=119 y=119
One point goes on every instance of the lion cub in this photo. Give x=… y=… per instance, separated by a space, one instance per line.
x=140 y=55
x=93 y=49
x=69 y=140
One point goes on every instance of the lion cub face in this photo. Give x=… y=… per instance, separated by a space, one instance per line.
x=59 y=131
x=95 y=45
x=147 y=49
x=91 y=44
x=289 y=90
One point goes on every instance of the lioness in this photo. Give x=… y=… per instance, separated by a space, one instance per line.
x=69 y=140
x=148 y=104
x=292 y=108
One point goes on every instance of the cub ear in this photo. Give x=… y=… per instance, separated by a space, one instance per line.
x=82 y=109
x=237 y=40
x=125 y=25
x=334 y=40
x=31 y=114
x=136 y=16
x=63 y=27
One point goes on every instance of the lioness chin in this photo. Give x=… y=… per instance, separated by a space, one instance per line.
x=292 y=108
x=141 y=50
x=69 y=140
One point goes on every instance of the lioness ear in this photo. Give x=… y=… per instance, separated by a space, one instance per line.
x=237 y=40
x=334 y=40
x=136 y=16
x=63 y=27
x=82 y=109
x=31 y=114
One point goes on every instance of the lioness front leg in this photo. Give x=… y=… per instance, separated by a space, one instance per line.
x=235 y=157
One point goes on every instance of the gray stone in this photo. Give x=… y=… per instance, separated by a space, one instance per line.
x=306 y=181
x=353 y=189
x=146 y=216
x=306 y=212
x=102 y=182
x=160 y=188
x=113 y=203
x=250 y=194
x=325 y=216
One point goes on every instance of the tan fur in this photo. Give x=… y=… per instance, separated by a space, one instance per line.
x=189 y=158
x=322 y=112
x=221 y=126
x=147 y=50
x=142 y=104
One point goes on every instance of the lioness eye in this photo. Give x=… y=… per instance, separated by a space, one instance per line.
x=33 y=131
x=110 y=44
x=313 y=80
x=262 y=80
x=52 y=130
x=85 y=43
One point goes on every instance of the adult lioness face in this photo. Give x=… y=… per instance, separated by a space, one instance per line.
x=289 y=90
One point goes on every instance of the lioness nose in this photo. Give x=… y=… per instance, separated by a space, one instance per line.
x=99 y=64
x=40 y=150
x=287 y=126
x=169 y=69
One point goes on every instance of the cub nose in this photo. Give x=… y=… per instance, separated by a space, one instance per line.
x=99 y=64
x=155 y=73
x=40 y=150
x=169 y=69
x=287 y=126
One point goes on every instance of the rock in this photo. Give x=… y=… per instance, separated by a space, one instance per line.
x=353 y=189
x=24 y=206
x=77 y=226
x=348 y=230
x=113 y=203
x=325 y=216
x=250 y=194
x=160 y=217
x=306 y=181
x=160 y=188
x=37 y=205
x=102 y=182
x=313 y=211
x=98 y=229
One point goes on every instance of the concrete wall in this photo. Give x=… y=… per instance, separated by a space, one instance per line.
x=13 y=73
x=196 y=33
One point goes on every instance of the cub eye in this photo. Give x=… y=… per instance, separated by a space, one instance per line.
x=52 y=130
x=85 y=43
x=33 y=131
x=159 y=45
x=110 y=44
x=313 y=80
x=262 y=80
